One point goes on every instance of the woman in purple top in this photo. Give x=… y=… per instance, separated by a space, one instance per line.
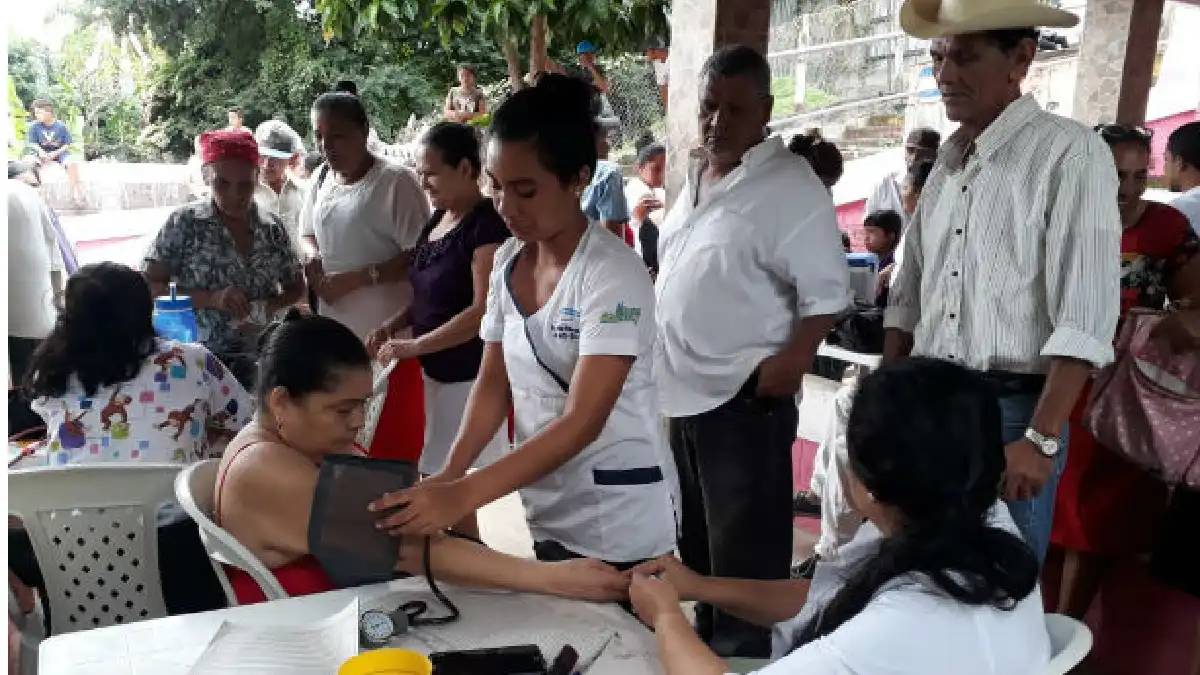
x=450 y=271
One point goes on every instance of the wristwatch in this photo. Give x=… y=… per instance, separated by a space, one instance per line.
x=1047 y=445
x=373 y=273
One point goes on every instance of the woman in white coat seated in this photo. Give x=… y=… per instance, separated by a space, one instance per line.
x=938 y=582
x=568 y=333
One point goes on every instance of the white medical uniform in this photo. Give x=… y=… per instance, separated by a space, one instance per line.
x=912 y=628
x=612 y=501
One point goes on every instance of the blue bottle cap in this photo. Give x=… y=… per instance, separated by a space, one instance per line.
x=172 y=302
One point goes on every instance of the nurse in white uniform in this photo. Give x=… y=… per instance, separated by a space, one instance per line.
x=568 y=332
x=938 y=582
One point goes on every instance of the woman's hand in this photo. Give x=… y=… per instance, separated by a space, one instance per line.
x=231 y=301
x=376 y=340
x=648 y=203
x=425 y=509
x=672 y=570
x=586 y=579
x=334 y=287
x=399 y=349
x=653 y=599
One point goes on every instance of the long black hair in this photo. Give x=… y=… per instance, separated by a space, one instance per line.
x=302 y=353
x=558 y=116
x=103 y=335
x=924 y=438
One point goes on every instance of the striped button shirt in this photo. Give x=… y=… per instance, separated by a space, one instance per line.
x=1013 y=256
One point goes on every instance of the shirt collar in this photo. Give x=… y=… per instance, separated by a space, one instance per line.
x=997 y=134
x=753 y=158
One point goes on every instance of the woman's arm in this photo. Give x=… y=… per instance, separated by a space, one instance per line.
x=757 y=601
x=466 y=563
x=682 y=651
x=464 y=325
x=271 y=490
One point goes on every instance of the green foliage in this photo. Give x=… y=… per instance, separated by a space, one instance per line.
x=784 y=91
x=18 y=120
x=615 y=25
x=271 y=58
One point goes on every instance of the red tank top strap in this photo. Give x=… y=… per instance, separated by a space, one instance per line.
x=221 y=480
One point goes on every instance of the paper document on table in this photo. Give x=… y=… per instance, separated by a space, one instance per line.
x=297 y=649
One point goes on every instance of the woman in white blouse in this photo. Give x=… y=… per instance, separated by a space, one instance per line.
x=938 y=582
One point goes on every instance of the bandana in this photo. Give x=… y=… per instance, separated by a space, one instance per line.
x=228 y=144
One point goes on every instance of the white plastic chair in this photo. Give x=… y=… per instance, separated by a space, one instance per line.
x=94 y=533
x=1070 y=642
x=194 y=492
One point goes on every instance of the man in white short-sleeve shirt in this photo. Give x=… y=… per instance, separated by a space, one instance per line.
x=362 y=231
x=752 y=272
x=1183 y=171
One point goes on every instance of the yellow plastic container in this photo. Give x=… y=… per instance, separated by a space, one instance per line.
x=388 y=662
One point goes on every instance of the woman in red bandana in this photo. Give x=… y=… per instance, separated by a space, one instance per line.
x=237 y=263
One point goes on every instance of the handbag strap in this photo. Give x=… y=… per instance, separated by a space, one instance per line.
x=525 y=325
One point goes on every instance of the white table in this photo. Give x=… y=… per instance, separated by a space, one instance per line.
x=170 y=646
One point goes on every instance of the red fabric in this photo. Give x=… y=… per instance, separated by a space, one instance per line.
x=1104 y=504
x=400 y=432
x=628 y=232
x=228 y=144
x=303 y=576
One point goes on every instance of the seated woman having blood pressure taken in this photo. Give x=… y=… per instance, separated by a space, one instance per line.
x=568 y=333
x=937 y=582
x=314 y=380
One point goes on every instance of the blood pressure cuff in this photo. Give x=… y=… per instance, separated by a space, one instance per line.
x=341 y=531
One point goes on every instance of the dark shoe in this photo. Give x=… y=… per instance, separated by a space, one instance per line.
x=806 y=568
x=807 y=504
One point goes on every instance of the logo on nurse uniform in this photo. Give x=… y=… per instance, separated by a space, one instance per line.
x=566 y=325
x=622 y=314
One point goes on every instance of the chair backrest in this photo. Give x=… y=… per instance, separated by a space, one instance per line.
x=1070 y=642
x=194 y=490
x=94 y=532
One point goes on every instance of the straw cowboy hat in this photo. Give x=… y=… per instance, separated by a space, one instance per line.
x=939 y=18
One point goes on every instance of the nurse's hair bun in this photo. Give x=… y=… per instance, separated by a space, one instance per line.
x=558 y=116
x=292 y=314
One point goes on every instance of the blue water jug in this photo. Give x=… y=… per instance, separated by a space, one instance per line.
x=174 y=318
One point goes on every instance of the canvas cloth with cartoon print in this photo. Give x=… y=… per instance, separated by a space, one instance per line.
x=161 y=415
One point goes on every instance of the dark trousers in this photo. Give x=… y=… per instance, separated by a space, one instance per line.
x=189 y=582
x=735 y=475
x=20 y=416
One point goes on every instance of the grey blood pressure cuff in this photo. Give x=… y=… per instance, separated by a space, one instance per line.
x=341 y=531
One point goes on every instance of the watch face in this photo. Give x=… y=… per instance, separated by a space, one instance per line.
x=1050 y=447
x=376 y=626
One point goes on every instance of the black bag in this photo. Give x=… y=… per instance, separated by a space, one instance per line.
x=859 y=329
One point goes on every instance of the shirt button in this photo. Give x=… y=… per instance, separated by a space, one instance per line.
x=953 y=316
x=954 y=273
x=950 y=356
x=958 y=231
x=964 y=189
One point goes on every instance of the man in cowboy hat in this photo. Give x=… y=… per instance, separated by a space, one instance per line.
x=1011 y=262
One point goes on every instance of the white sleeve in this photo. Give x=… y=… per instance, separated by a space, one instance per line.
x=491 y=328
x=307 y=209
x=809 y=257
x=617 y=308
x=411 y=209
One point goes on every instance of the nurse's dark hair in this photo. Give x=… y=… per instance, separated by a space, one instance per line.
x=456 y=142
x=739 y=61
x=924 y=439
x=917 y=174
x=303 y=354
x=103 y=334
x=345 y=105
x=822 y=155
x=558 y=117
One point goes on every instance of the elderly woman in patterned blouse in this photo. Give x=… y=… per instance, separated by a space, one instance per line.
x=237 y=263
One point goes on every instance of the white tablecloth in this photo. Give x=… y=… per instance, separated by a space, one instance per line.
x=170 y=646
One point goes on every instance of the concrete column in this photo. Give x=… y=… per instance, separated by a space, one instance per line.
x=697 y=28
x=1116 y=60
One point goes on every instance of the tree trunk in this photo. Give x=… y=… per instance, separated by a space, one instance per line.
x=513 y=58
x=537 y=45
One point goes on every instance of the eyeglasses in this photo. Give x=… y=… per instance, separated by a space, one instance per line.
x=1123 y=132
